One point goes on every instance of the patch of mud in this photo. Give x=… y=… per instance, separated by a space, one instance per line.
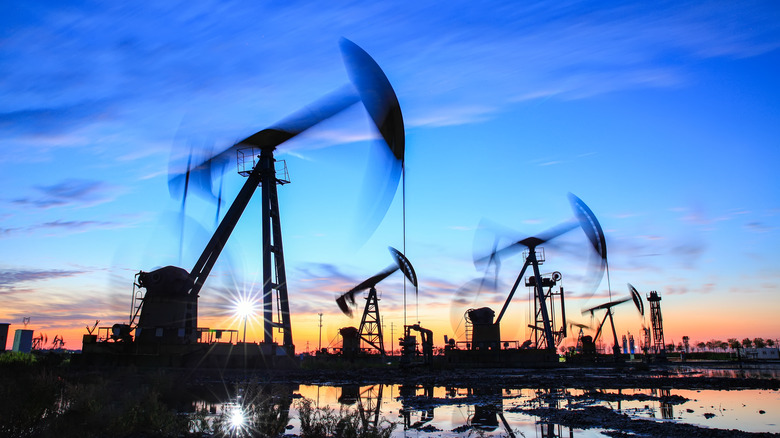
x=616 y=424
x=613 y=397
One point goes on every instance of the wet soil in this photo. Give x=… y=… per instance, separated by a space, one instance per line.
x=623 y=377
x=618 y=424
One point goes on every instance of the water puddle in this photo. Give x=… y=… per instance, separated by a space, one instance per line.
x=437 y=411
x=745 y=371
x=746 y=410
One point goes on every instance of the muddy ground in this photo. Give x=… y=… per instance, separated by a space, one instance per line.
x=672 y=376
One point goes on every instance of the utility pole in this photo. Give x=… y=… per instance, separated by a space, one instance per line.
x=319 y=344
x=392 y=339
x=383 y=332
x=245 y=317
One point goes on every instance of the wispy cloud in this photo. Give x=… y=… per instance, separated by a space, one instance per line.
x=61 y=227
x=758 y=227
x=452 y=115
x=465 y=64
x=70 y=192
x=66 y=313
x=5 y=232
x=46 y=121
x=75 y=226
x=11 y=279
x=570 y=51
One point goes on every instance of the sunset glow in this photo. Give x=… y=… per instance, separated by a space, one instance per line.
x=663 y=119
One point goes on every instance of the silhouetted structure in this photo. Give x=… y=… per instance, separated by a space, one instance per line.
x=164 y=310
x=3 y=335
x=550 y=294
x=23 y=340
x=485 y=335
x=409 y=350
x=658 y=346
x=371 y=325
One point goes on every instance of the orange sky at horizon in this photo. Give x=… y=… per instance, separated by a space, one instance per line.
x=678 y=321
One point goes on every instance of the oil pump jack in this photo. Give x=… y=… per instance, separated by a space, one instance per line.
x=635 y=297
x=166 y=313
x=534 y=256
x=370 y=330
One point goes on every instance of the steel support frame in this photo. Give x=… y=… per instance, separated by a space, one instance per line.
x=532 y=261
x=369 y=404
x=274 y=273
x=615 y=346
x=558 y=335
x=274 y=276
x=370 y=330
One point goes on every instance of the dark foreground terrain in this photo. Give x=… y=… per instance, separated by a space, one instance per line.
x=42 y=398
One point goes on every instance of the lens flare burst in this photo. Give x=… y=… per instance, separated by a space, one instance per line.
x=241 y=306
x=237 y=424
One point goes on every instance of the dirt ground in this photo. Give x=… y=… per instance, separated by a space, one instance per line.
x=673 y=375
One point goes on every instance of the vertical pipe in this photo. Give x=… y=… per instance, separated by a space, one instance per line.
x=615 y=346
x=542 y=305
x=563 y=314
x=319 y=343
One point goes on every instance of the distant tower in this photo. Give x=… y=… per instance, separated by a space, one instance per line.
x=658 y=324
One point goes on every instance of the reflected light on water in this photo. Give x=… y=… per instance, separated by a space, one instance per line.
x=237 y=419
x=455 y=411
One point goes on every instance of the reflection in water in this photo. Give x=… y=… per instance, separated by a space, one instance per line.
x=484 y=409
x=408 y=393
x=554 y=398
x=550 y=397
x=740 y=371
x=485 y=416
x=369 y=404
x=251 y=409
x=667 y=412
x=552 y=430
x=349 y=395
x=427 y=410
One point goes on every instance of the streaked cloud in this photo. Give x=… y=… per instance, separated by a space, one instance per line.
x=758 y=227
x=566 y=50
x=41 y=122
x=70 y=192
x=62 y=227
x=451 y=115
x=10 y=279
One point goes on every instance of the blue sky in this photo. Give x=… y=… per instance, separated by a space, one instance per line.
x=663 y=118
